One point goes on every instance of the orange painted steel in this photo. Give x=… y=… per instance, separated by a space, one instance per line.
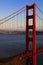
x=34 y=34
x=29 y=54
x=33 y=27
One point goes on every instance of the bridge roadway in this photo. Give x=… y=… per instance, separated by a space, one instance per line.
x=22 y=56
x=29 y=54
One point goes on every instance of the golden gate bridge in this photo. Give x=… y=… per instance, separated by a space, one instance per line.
x=25 y=20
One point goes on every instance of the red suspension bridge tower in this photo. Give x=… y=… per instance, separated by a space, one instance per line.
x=31 y=54
x=28 y=29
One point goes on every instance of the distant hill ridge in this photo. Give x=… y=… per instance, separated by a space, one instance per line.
x=17 y=32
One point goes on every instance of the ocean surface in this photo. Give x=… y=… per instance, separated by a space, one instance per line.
x=11 y=44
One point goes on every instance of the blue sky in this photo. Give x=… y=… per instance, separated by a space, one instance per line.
x=9 y=6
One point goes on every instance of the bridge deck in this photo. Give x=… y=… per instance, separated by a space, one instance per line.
x=29 y=54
